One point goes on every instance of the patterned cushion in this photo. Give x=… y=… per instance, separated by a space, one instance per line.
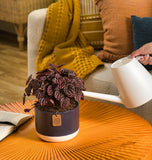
x=91 y=25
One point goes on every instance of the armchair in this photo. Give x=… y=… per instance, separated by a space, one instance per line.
x=16 y=12
x=101 y=80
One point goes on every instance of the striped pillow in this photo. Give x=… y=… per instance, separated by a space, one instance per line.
x=91 y=25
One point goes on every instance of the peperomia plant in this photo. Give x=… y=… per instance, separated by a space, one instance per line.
x=55 y=86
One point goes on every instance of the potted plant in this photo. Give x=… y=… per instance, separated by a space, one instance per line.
x=58 y=92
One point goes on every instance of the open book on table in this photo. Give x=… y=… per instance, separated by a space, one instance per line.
x=10 y=121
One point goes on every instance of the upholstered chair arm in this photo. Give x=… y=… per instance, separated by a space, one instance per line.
x=36 y=22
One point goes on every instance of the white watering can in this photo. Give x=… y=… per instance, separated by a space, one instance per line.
x=133 y=81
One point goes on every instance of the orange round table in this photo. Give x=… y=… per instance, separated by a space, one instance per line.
x=107 y=132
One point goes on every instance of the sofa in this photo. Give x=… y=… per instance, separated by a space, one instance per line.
x=101 y=80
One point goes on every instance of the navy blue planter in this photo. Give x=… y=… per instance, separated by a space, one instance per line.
x=44 y=125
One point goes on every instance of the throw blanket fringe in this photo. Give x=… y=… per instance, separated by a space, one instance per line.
x=62 y=41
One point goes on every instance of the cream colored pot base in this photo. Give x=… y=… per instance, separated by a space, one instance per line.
x=58 y=138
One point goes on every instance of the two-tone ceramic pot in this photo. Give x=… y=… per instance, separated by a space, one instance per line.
x=57 y=127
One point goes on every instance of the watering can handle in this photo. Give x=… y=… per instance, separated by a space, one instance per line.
x=138 y=57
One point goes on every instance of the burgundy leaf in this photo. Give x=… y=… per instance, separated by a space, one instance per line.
x=67 y=72
x=51 y=72
x=55 y=80
x=28 y=90
x=39 y=94
x=65 y=102
x=41 y=77
x=82 y=96
x=58 y=79
x=67 y=80
x=43 y=101
x=42 y=71
x=24 y=98
x=29 y=78
x=27 y=110
x=42 y=84
x=51 y=100
x=62 y=85
x=58 y=95
x=49 y=90
x=71 y=74
x=77 y=82
x=35 y=84
x=34 y=92
x=69 y=90
x=57 y=75
x=53 y=66
x=60 y=65
x=78 y=96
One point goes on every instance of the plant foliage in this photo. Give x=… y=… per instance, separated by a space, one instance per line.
x=55 y=86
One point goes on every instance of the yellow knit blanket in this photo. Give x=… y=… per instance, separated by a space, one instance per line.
x=62 y=41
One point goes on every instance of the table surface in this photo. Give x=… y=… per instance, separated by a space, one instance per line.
x=107 y=132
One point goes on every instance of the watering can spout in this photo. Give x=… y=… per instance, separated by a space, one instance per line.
x=101 y=96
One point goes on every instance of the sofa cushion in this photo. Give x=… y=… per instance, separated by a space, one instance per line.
x=91 y=25
x=101 y=80
x=116 y=20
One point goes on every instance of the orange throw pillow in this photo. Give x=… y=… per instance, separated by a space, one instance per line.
x=116 y=19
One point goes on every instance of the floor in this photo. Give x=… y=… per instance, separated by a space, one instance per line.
x=13 y=69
